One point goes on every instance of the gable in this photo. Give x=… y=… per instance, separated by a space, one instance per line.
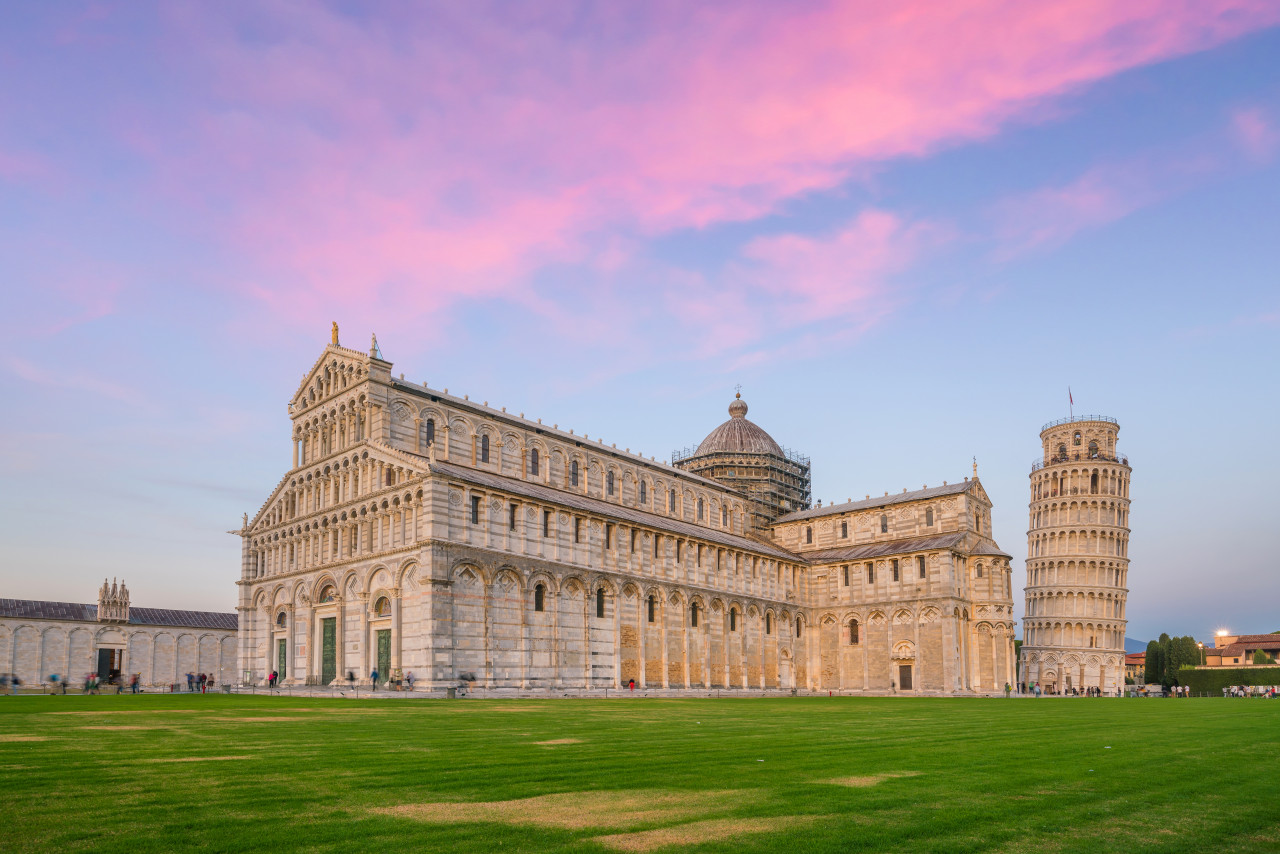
x=276 y=509
x=337 y=370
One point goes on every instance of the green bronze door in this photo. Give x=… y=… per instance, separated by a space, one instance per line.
x=328 y=650
x=282 y=656
x=384 y=654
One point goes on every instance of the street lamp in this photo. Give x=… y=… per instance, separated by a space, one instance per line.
x=1201 y=647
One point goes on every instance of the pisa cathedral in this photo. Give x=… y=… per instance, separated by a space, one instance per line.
x=419 y=531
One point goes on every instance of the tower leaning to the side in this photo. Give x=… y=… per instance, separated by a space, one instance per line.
x=1077 y=559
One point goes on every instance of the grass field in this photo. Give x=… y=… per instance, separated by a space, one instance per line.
x=242 y=773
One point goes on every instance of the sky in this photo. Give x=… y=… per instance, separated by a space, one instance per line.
x=905 y=229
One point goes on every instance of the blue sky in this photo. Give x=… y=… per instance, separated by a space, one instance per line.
x=904 y=236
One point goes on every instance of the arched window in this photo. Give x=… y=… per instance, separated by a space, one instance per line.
x=700 y=509
x=768 y=624
x=484 y=449
x=884 y=524
x=844 y=530
x=1062 y=451
x=1093 y=483
x=979 y=570
x=928 y=517
x=1075 y=440
x=382 y=608
x=724 y=517
x=281 y=618
x=693 y=615
x=652 y=607
x=1093 y=450
x=608 y=483
x=539 y=597
x=799 y=627
x=600 y=602
x=533 y=462
x=853 y=631
x=671 y=501
x=391 y=476
x=845 y=572
x=431 y=430
x=733 y=619
x=326 y=595
x=808 y=534
x=644 y=492
x=573 y=473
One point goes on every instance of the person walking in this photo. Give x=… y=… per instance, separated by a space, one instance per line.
x=133 y=684
x=408 y=678
x=373 y=677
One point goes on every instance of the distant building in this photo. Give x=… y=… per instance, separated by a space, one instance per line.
x=39 y=639
x=1135 y=666
x=1238 y=650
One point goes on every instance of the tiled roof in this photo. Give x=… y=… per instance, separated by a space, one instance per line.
x=609 y=509
x=1135 y=658
x=849 y=506
x=888 y=547
x=594 y=445
x=32 y=609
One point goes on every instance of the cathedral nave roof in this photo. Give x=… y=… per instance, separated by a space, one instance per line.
x=885 y=501
x=902 y=546
x=598 y=507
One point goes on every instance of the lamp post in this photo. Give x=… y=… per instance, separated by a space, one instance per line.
x=1200 y=645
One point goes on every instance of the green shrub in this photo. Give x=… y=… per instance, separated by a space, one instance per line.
x=1215 y=679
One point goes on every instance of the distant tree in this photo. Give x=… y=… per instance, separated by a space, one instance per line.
x=1260 y=657
x=1154 y=664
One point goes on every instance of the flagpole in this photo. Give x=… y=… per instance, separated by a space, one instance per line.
x=1071 y=404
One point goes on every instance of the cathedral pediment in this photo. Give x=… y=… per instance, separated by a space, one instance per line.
x=359 y=460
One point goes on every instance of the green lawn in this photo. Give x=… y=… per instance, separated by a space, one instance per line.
x=262 y=773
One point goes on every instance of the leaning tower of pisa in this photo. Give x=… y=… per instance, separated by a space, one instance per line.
x=1077 y=559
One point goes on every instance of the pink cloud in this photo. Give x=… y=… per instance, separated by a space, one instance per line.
x=419 y=160
x=29 y=371
x=1050 y=216
x=1255 y=133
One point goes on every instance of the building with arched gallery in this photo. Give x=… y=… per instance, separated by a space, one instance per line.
x=115 y=640
x=419 y=531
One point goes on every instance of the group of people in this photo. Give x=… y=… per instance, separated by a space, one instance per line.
x=1036 y=690
x=9 y=683
x=201 y=682
x=397 y=681
x=1267 y=691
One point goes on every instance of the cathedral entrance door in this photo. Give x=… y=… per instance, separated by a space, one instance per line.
x=904 y=677
x=384 y=655
x=282 y=658
x=328 y=650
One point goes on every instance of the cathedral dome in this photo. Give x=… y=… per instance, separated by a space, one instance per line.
x=738 y=435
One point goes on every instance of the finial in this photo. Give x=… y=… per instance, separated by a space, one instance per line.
x=374 y=352
x=738 y=389
x=975 y=468
x=335 y=333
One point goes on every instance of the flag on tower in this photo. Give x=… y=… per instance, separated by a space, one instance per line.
x=1070 y=399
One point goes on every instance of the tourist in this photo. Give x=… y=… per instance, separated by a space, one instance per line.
x=133 y=684
x=373 y=677
x=1007 y=690
x=14 y=682
x=191 y=682
x=409 y=679
x=271 y=680
x=631 y=683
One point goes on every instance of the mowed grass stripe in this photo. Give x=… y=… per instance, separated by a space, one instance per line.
x=950 y=775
